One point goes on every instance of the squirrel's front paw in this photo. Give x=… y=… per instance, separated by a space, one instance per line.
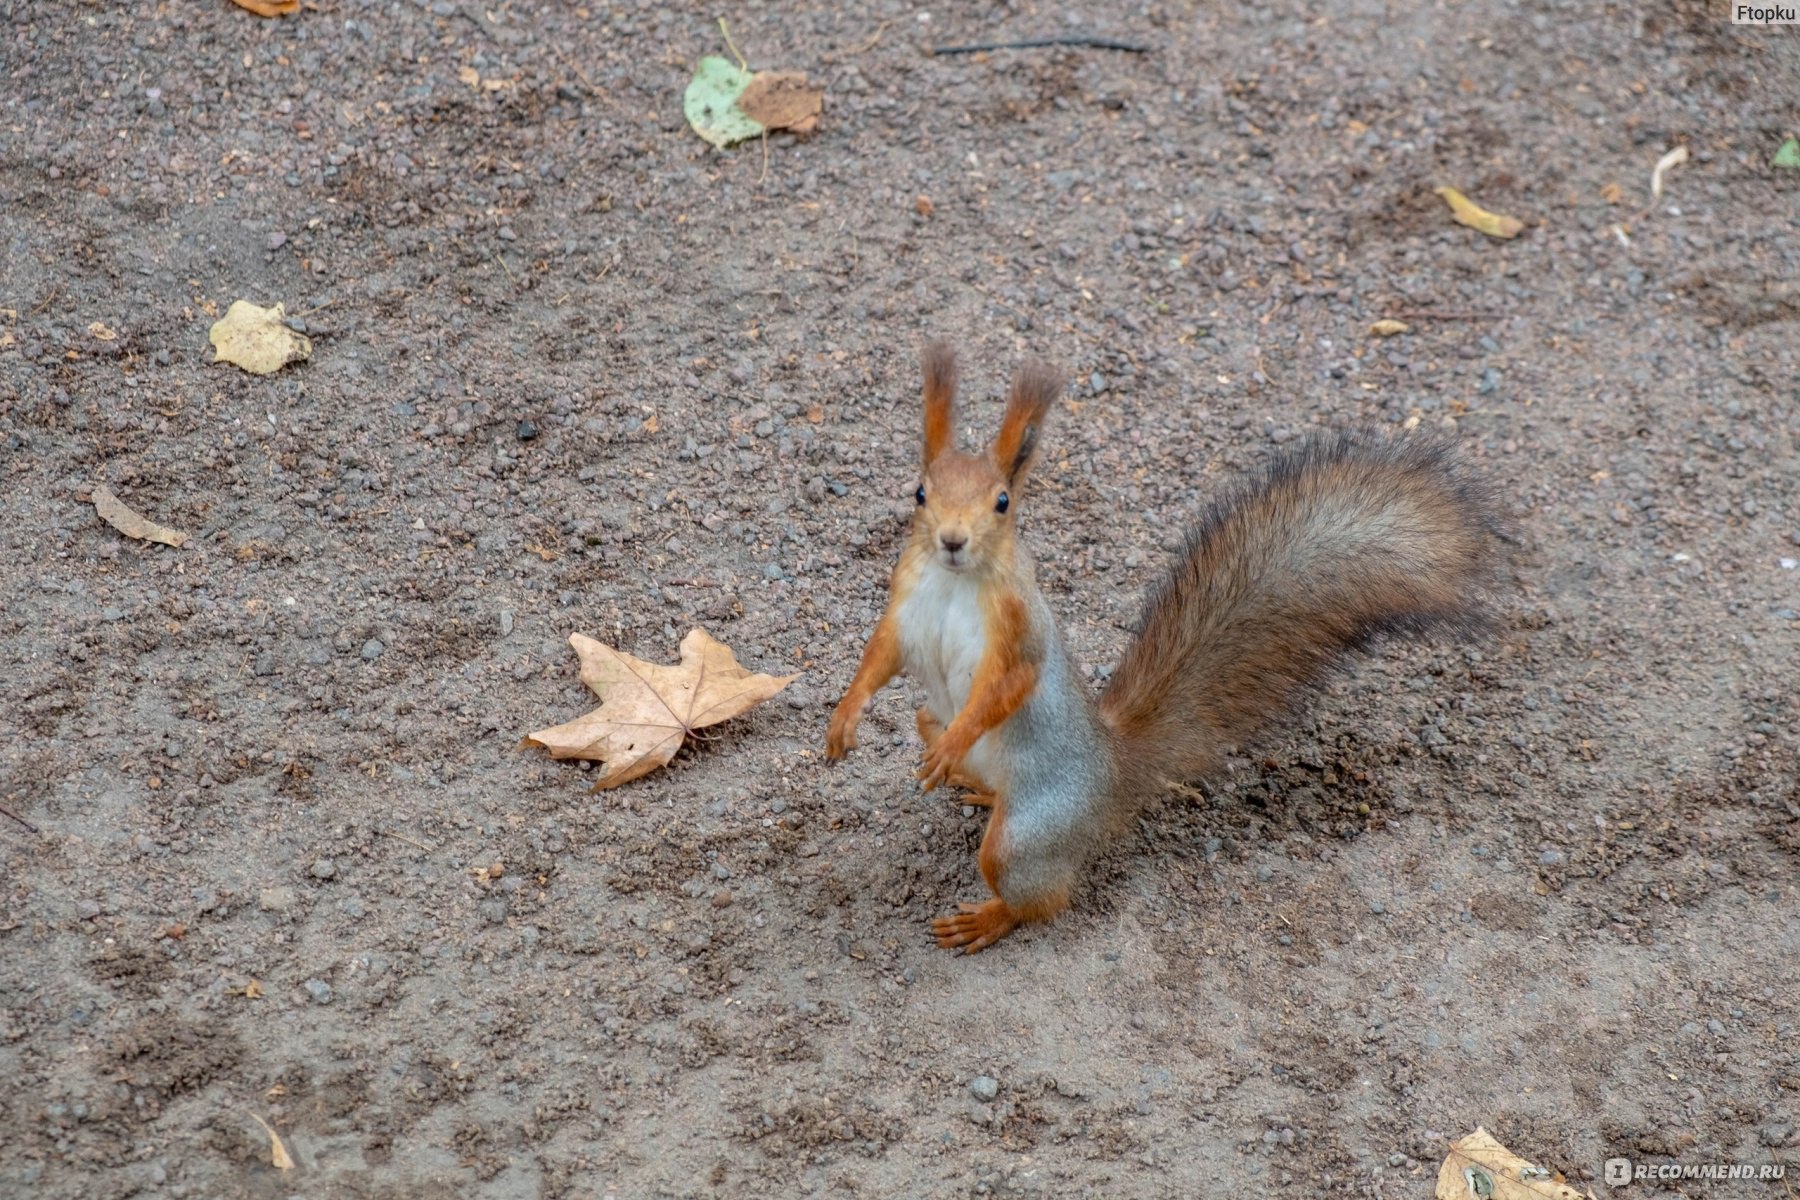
x=975 y=927
x=941 y=759
x=841 y=736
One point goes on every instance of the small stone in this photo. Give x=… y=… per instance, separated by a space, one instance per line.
x=324 y=868
x=506 y=622
x=984 y=1087
x=276 y=899
x=1551 y=858
x=319 y=990
x=1776 y=1133
x=372 y=649
x=265 y=664
x=277 y=240
x=526 y=431
x=1377 y=907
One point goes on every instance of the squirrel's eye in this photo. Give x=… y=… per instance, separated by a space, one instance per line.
x=920 y=494
x=1001 y=503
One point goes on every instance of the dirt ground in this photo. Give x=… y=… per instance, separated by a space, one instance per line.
x=576 y=371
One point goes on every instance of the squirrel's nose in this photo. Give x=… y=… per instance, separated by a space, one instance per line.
x=953 y=541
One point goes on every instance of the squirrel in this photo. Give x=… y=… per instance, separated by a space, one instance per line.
x=1333 y=544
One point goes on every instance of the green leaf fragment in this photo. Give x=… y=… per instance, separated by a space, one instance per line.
x=711 y=103
x=1789 y=154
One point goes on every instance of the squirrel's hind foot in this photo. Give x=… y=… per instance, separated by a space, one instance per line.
x=975 y=927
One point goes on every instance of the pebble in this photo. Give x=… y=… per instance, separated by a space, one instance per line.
x=324 y=868
x=319 y=990
x=1776 y=1133
x=276 y=899
x=1551 y=858
x=506 y=622
x=526 y=431
x=372 y=649
x=984 y=1087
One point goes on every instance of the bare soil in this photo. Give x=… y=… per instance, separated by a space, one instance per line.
x=576 y=371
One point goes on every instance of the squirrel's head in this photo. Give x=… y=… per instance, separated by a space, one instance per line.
x=966 y=502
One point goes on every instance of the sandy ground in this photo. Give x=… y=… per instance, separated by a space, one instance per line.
x=576 y=371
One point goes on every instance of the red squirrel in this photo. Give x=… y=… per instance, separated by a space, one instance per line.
x=1333 y=544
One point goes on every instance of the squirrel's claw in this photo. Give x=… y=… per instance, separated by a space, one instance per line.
x=975 y=927
x=840 y=738
x=941 y=759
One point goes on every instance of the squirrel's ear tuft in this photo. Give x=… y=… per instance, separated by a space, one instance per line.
x=1035 y=388
x=940 y=399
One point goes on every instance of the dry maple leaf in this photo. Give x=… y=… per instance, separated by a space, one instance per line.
x=1478 y=1167
x=650 y=709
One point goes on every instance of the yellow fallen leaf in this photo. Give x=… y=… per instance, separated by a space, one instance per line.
x=1467 y=212
x=1479 y=1168
x=278 y=1152
x=257 y=339
x=1389 y=327
x=1612 y=193
x=113 y=511
x=269 y=8
x=102 y=331
x=253 y=990
x=650 y=709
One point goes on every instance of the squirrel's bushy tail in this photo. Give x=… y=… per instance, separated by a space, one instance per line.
x=1335 y=543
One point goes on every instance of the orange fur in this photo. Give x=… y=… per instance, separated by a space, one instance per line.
x=880 y=663
x=980 y=795
x=975 y=927
x=1035 y=388
x=940 y=399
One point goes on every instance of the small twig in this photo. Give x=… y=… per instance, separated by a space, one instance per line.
x=15 y=816
x=401 y=837
x=55 y=290
x=1446 y=314
x=1095 y=43
x=315 y=308
x=765 y=169
x=731 y=45
x=862 y=49
x=505 y=268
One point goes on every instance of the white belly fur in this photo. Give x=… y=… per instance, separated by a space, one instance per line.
x=942 y=637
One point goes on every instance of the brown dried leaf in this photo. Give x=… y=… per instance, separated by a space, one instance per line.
x=1479 y=1168
x=269 y=8
x=278 y=1152
x=650 y=709
x=112 y=510
x=782 y=100
x=1388 y=327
